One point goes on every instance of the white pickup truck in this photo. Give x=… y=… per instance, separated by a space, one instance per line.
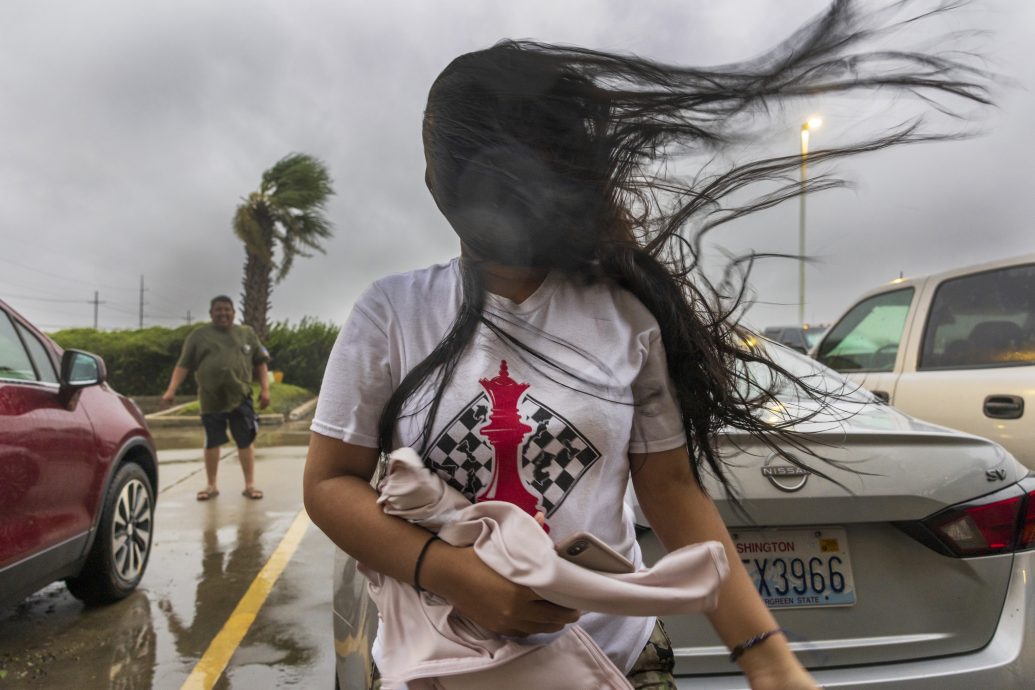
x=955 y=348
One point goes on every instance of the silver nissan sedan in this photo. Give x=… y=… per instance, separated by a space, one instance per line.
x=916 y=572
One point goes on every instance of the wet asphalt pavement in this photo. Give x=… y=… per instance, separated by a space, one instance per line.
x=205 y=557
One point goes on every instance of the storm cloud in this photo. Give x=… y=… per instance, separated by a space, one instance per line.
x=130 y=131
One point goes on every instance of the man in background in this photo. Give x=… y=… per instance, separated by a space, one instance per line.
x=223 y=357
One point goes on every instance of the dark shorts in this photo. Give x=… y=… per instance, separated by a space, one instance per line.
x=242 y=420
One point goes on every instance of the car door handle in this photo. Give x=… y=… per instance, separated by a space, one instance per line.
x=1004 y=406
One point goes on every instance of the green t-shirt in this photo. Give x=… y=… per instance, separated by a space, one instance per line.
x=222 y=362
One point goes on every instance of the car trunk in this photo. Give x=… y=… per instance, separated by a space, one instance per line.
x=910 y=601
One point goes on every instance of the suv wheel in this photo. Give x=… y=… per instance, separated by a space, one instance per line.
x=119 y=554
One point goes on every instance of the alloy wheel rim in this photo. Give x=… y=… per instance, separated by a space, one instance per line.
x=131 y=530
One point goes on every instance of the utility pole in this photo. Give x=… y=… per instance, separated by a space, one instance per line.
x=96 y=301
x=806 y=127
x=188 y=317
x=141 y=301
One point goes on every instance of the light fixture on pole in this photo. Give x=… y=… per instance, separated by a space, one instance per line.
x=812 y=123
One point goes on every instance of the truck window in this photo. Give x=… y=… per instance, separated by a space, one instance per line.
x=982 y=320
x=867 y=337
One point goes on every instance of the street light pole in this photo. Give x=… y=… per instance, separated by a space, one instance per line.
x=806 y=127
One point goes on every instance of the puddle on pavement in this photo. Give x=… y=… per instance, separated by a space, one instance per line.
x=111 y=646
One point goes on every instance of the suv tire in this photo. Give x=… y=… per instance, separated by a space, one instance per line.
x=121 y=548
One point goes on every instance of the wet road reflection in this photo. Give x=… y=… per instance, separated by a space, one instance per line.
x=61 y=644
x=220 y=583
x=205 y=557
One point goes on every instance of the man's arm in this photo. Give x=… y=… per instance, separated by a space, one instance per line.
x=680 y=513
x=178 y=376
x=260 y=367
x=262 y=371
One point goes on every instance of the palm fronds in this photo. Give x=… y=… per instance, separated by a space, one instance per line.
x=287 y=212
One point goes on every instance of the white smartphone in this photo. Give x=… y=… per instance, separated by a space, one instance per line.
x=586 y=550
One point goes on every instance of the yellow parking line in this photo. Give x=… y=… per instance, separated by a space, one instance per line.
x=211 y=665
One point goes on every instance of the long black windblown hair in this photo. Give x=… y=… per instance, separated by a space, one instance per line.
x=555 y=157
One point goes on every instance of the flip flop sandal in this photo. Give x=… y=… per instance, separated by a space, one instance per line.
x=206 y=494
x=254 y=494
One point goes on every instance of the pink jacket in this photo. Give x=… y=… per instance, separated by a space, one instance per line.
x=427 y=645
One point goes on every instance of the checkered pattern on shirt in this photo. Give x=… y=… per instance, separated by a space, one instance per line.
x=459 y=455
x=554 y=455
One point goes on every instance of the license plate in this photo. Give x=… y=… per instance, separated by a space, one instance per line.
x=798 y=568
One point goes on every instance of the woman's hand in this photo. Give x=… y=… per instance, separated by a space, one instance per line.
x=484 y=596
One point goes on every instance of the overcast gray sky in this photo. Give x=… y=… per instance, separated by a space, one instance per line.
x=129 y=131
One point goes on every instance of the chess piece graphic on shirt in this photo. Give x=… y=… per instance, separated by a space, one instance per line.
x=505 y=432
x=551 y=460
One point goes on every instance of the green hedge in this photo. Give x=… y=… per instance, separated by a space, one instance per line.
x=283 y=398
x=140 y=361
x=301 y=351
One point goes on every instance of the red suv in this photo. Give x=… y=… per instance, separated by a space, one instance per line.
x=78 y=472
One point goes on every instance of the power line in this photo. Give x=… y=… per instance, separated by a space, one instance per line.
x=43 y=299
x=34 y=288
x=60 y=277
x=112 y=307
x=119 y=307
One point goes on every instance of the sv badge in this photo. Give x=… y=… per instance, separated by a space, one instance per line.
x=995 y=475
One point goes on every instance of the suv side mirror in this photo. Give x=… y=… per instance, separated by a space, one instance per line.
x=80 y=369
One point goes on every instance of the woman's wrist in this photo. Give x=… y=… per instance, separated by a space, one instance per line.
x=420 y=561
x=771 y=655
x=748 y=644
x=437 y=572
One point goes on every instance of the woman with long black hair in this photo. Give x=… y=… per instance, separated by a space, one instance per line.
x=578 y=311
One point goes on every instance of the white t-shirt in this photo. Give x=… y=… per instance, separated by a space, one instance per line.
x=563 y=441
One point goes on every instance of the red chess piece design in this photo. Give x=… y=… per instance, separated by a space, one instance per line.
x=505 y=432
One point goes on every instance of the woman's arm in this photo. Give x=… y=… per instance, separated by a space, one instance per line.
x=340 y=500
x=680 y=513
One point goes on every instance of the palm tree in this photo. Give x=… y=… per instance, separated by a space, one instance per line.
x=285 y=213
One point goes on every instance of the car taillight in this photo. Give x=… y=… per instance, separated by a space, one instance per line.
x=1026 y=531
x=1000 y=523
x=979 y=529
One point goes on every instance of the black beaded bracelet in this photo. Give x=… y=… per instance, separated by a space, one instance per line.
x=420 y=561
x=754 y=641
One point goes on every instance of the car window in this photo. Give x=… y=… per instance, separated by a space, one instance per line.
x=14 y=360
x=38 y=352
x=867 y=337
x=982 y=320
